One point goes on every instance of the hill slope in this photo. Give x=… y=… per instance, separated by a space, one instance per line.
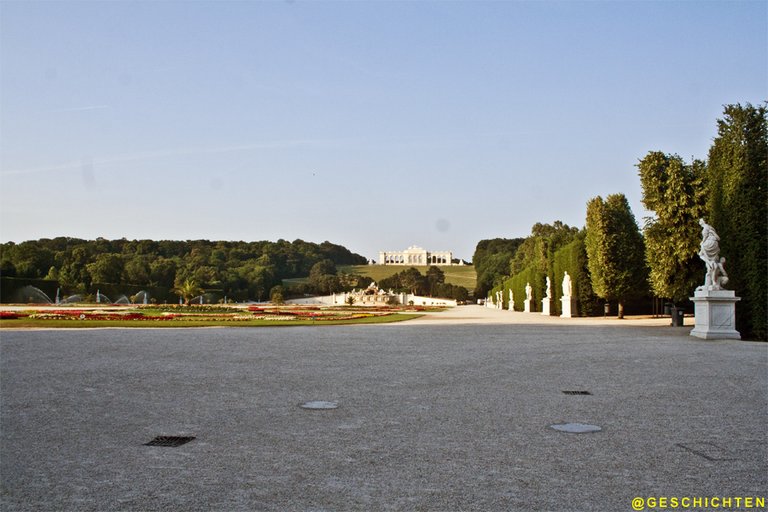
x=458 y=275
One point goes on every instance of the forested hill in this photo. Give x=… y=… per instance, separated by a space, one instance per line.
x=238 y=268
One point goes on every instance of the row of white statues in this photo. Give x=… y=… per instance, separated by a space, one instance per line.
x=497 y=301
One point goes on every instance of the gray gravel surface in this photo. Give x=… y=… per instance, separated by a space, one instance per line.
x=439 y=418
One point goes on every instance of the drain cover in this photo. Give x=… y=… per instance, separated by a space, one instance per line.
x=319 y=404
x=576 y=393
x=172 y=441
x=576 y=428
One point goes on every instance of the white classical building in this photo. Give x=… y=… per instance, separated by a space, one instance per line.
x=415 y=256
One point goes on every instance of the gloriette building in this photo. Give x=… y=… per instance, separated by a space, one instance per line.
x=415 y=256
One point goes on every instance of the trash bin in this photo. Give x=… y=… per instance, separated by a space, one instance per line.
x=606 y=309
x=678 y=317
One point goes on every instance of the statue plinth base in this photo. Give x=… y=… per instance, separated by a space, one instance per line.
x=545 y=306
x=527 y=306
x=715 y=312
x=568 y=308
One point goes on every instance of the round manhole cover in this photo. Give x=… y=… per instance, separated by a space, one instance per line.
x=576 y=428
x=319 y=405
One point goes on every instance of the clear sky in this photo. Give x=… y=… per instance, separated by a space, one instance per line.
x=375 y=125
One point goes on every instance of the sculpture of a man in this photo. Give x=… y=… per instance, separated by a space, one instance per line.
x=548 y=294
x=709 y=252
x=528 y=291
x=567 y=287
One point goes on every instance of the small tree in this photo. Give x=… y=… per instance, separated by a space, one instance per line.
x=614 y=250
x=276 y=295
x=435 y=277
x=188 y=290
x=412 y=280
x=675 y=192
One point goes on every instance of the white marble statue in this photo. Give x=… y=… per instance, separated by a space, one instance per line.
x=528 y=291
x=511 y=298
x=548 y=293
x=709 y=252
x=567 y=287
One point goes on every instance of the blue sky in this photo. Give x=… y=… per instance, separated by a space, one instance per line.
x=376 y=125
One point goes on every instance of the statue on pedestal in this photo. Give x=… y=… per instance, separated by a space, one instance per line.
x=709 y=252
x=715 y=308
x=548 y=293
x=528 y=291
x=567 y=287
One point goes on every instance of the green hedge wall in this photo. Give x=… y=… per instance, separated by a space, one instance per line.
x=517 y=284
x=573 y=259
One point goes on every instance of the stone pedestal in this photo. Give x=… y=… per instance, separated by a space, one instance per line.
x=715 y=312
x=545 y=306
x=568 y=307
x=527 y=305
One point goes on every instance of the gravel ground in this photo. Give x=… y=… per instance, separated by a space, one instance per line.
x=430 y=417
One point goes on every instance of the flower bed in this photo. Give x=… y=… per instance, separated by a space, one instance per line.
x=191 y=315
x=73 y=314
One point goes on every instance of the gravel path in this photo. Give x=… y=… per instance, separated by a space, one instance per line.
x=430 y=417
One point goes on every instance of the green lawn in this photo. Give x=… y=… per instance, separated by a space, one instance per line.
x=459 y=275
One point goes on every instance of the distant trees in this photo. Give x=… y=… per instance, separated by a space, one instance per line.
x=491 y=260
x=432 y=284
x=615 y=250
x=323 y=277
x=675 y=191
x=107 y=268
x=240 y=270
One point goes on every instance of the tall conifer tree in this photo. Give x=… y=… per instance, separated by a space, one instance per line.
x=615 y=250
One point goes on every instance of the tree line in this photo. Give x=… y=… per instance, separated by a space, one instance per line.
x=611 y=259
x=324 y=278
x=239 y=270
x=431 y=284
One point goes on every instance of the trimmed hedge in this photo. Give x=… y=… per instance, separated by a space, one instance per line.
x=517 y=284
x=573 y=259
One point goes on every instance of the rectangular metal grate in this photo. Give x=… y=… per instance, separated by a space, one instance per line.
x=172 y=441
x=576 y=393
